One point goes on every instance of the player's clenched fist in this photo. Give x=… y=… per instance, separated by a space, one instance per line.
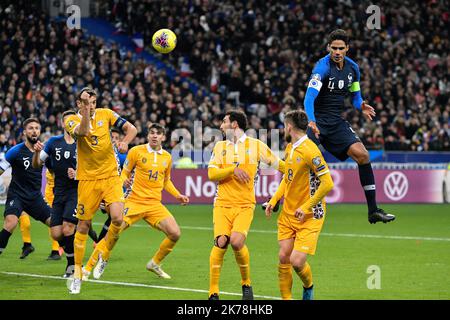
x=38 y=146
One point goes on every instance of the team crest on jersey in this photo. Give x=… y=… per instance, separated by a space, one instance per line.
x=11 y=202
x=298 y=159
x=316 y=161
x=350 y=77
x=66 y=154
x=144 y=160
x=224 y=152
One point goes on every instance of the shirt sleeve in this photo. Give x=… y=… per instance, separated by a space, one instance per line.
x=128 y=165
x=319 y=73
x=355 y=88
x=268 y=157
x=114 y=119
x=216 y=157
x=316 y=162
x=71 y=123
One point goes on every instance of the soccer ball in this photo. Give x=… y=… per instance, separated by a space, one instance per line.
x=164 y=40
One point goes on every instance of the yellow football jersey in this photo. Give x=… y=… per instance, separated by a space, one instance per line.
x=149 y=170
x=95 y=154
x=49 y=178
x=304 y=164
x=247 y=153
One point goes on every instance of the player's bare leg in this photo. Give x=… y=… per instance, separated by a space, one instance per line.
x=359 y=153
x=172 y=231
x=237 y=241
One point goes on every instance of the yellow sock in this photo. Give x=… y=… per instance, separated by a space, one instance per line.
x=100 y=248
x=25 y=226
x=243 y=260
x=306 y=275
x=79 y=246
x=215 y=265
x=55 y=244
x=110 y=240
x=165 y=248
x=285 y=280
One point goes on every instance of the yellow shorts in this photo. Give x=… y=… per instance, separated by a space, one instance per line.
x=92 y=192
x=152 y=214
x=305 y=234
x=49 y=196
x=227 y=220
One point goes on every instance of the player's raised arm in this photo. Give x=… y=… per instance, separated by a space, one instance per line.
x=319 y=73
x=130 y=133
x=41 y=153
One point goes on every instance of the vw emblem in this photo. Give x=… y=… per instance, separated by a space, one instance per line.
x=396 y=186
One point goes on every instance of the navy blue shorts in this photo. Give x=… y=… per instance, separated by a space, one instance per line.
x=64 y=208
x=335 y=138
x=36 y=208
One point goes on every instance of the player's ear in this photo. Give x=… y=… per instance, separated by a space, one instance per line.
x=164 y=138
x=328 y=47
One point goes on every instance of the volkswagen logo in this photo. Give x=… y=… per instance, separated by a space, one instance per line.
x=396 y=185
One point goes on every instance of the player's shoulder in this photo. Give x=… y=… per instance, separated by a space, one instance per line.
x=352 y=63
x=166 y=153
x=323 y=62
x=14 y=151
x=55 y=139
x=310 y=147
x=220 y=145
x=138 y=149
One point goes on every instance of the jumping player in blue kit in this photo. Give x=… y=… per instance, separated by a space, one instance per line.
x=333 y=78
x=24 y=193
x=60 y=151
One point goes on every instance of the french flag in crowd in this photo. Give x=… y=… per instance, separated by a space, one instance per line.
x=138 y=40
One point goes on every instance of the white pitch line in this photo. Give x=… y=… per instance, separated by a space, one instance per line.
x=348 y=235
x=129 y=284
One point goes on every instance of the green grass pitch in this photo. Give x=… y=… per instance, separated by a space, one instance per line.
x=412 y=253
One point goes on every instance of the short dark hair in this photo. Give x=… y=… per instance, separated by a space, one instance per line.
x=238 y=116
x=159 y=127
x=297 y=118
x=90 y=91
x=28 y=121
x=338 y=34
x=68 y=113
x=115 y=130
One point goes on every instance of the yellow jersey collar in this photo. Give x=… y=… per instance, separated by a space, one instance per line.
x=299 y=141
x=160 y=151
x=240 y=140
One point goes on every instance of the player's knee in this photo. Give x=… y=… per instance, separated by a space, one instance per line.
x=222 y=241
x=237 y=243
x=10 y=223
x=284 y=257
x=68 y=230
x=117 y=221
x=298 y=262
x=83 y=226
x=174 y=235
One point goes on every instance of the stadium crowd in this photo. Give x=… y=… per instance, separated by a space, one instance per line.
x=256 y=55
